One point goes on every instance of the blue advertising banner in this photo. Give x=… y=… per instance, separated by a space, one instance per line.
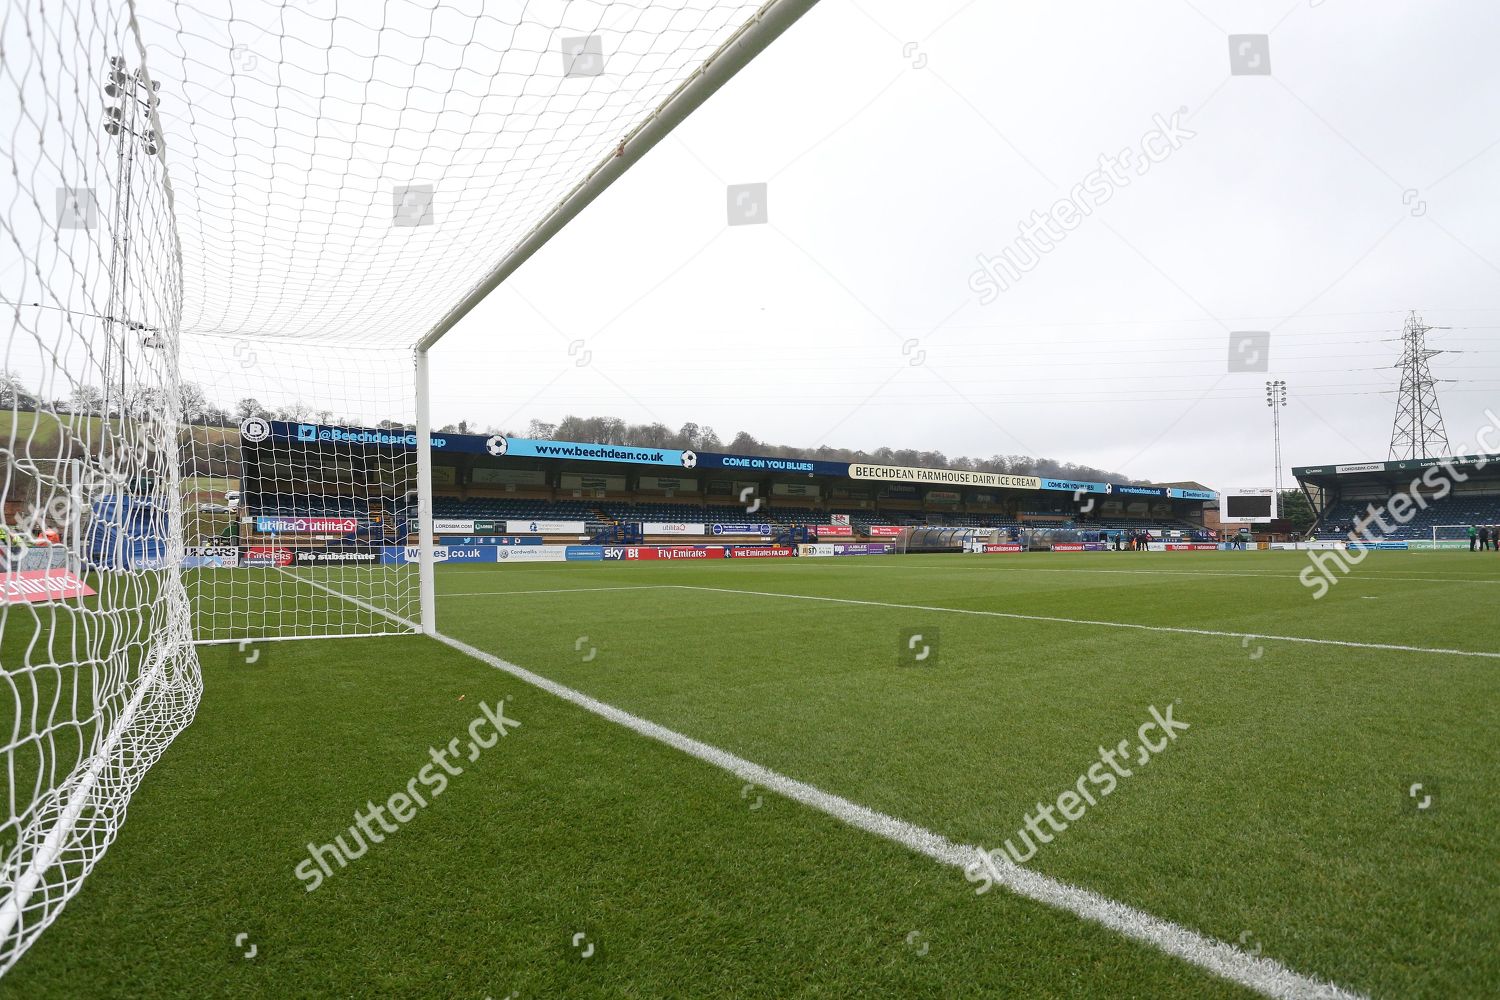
x=740 y=529
x=440 y=553
x=530 y=448
x=255 y=430
x=757 y=463
x=584 y=553
x=1177 y=494
x=1073 y=486
x=493 y=540
x=1138 y=491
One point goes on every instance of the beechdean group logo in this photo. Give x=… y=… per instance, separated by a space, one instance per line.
x=255 y=429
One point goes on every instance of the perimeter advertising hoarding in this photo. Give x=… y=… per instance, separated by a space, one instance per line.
x=335 y=557
x=819 y=550
x=274 y=525
x=545 y=527
x=631 y=552
x=33 y=586
x=411 y=554
x=211 y=557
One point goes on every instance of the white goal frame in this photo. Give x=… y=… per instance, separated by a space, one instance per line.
x=768 y=24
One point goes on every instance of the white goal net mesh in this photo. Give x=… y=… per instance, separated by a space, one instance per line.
x=99 y=674
x=227 y=214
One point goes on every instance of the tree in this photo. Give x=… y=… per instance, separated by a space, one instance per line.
x=13 y=393
x=249 y=407
x=86 y=399
x=194 y=402
x=1295 y=508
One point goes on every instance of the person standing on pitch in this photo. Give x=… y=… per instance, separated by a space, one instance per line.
x=1473 y=539
x=1484 y=538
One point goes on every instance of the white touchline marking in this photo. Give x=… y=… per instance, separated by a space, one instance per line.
x=560 y=590
x=1256 y=972
x=1085 y=621
x=989 y=567
x=1265 y=576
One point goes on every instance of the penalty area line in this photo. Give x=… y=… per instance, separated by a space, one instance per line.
x=1253 y=971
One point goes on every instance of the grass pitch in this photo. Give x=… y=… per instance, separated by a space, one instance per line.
x=1283 y=820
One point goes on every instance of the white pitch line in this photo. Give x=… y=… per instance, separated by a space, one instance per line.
x=1264 y=975
x=1256 y=972
x=560 y=590
x=991 y=568
x=1264 y=576
x=1101 y=624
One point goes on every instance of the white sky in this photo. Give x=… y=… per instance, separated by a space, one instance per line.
x=898 y=141
x=886 y=178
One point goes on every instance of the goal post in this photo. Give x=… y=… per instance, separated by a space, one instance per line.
x=1451 y=536
x=426 y=574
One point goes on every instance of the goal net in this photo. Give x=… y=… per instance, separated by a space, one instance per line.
x=99 y=674
x=232 y=229
x=1451 y=536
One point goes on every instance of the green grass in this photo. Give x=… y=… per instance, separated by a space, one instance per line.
x=1280 y=818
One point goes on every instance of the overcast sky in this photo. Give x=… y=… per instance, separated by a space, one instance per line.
x=896 y=287
x=899 y=141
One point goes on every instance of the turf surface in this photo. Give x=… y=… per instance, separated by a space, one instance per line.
x=1280 y=820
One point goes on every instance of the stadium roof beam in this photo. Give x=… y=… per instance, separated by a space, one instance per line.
x=775 y=17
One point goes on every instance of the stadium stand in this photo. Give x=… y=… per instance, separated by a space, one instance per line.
x=1455 y=510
